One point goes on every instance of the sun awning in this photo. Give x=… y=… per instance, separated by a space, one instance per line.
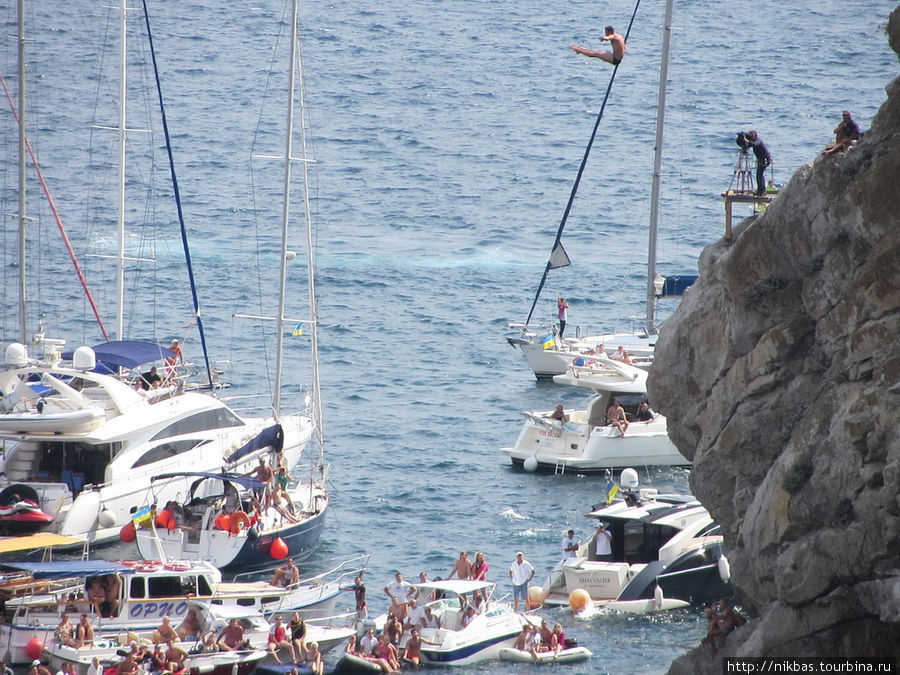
x=125 y=354
x=68 y=569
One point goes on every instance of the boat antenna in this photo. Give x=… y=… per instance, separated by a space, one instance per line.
x=558 y=257
x=184 y=240
x=657 y=164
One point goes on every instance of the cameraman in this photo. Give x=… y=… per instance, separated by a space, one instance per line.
x=763 y=157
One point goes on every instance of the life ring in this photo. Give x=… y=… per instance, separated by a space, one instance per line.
x=177 y=567
x=148 y=566
x=239 y=521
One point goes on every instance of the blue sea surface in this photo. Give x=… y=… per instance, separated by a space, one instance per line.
x=447 y=135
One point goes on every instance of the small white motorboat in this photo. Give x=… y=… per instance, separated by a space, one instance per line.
x=585 y=443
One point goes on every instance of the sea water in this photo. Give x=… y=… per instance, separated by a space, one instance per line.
x=448 y=135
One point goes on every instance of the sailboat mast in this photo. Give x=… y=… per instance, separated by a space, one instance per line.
x=310 y=269
x=23 y=323
x=120 y=229
x=657 y=168
x=285 y=212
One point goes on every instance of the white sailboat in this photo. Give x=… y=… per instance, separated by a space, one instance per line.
x=87 y=444
x=546 y=353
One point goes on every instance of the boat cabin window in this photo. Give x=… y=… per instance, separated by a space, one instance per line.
x=167 y=450
x=174 y=585
x=642 y=541
x=137 y=590
x=76 y=464
x=218 y=418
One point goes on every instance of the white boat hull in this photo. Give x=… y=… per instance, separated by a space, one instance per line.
x=578 y=447
x=546 y=363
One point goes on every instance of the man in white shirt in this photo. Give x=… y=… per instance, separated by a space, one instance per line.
x=603 y=540
x=368 y=642
x=399 y=592
x=521 y=572
x=570 y=545
x=415 y=616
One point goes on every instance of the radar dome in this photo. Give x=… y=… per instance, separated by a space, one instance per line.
x=629 y=479
x=84 y=359
x=16 y=355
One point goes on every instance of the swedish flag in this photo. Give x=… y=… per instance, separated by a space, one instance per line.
x=548 y=342
x=298 y=329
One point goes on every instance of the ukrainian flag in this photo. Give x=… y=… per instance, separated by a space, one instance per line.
x=611 y=490
x=142 y=516
x=298 y=329
x=548 y=342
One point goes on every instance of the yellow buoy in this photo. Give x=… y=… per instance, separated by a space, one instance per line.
x=535 y=597
x=579 y=599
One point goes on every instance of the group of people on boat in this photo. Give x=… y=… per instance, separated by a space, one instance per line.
x=536 y=639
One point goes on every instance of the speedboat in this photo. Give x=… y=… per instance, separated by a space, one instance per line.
x=38 y=593
x=222 y=532
x=481 y=639
x=667 y=552
x=88 y=444
x=585 y=443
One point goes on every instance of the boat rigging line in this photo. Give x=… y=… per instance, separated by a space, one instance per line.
x=558 y=257
x=184 y=241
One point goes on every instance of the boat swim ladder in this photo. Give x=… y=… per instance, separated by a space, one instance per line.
x=560 y=467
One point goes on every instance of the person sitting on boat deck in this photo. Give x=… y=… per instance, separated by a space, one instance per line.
x=557 y=639
x=388 y=652
x=559 y=413
x=173 y=361
x=415 y=615
x=523 y=638
x=278 y=640
x=276 y=496
x=621 y=355
x=615 y=415
x=353 y=649
x=400 y=591
x=570 y=545
x=534 y=645
x=84 y=634
x=645 y=413
x=150 y=379
x=175 y=657
x=231 y=637
x=189 y=628
x=314 y=659
x=128 y=665
x=469 y=615
x=263 y=473
x=413 y=650
x=286 y=575
x=158 y=663
x=393 y=628
x=368 y=643
x=298 y=635
x=845 y=134
x=602 y=543
x=462 y=568
x=282 y=479
x=430 y=620
x=546 y=633
x=209 y=643
x=616 y=41
x=165 y=632
x=65 y=631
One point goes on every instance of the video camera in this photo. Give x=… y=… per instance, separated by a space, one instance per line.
x=743 y=140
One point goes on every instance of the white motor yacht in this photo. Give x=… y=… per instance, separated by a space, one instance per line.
x=584 y=442
x=666 y=553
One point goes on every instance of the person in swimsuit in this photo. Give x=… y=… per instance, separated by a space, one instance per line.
x=615 y=416
x=616 y=41
x=298 y=635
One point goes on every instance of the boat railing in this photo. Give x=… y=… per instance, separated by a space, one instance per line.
x=347 y=568
x=342 y=620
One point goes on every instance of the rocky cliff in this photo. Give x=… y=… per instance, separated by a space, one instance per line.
x=779 y=376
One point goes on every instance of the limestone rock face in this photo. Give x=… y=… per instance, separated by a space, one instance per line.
x=780 y=377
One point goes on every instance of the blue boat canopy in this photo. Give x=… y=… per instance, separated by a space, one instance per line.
x=236 y=478
x=126 y=354
x=68 y=569
x=676 y=285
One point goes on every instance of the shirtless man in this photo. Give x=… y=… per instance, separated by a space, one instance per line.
x=264 y=474
x=166 y=632
x=462 y=568
x=85 y=632
x=231 y=636
x=175 y=657
x=287 y=575
x=559 y=413
x=617 y=42
x=615 y=415
x=413 y=650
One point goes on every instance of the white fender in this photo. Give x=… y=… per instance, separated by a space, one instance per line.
x=724 y=568
x=658 y=597
x=530 y=464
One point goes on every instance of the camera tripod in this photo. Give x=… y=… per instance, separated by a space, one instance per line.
x=744 y=178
